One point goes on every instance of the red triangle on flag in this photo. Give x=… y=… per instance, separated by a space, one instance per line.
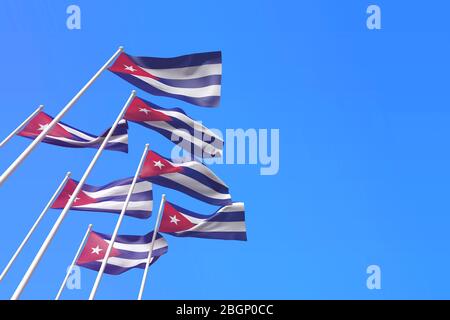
x=140 y=111
x=124 y=64
x=81 y=199
x=40 y=123
x=173 y=220
x=156 y=165
x=95 y=249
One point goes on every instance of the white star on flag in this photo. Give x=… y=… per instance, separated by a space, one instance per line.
x=174 y=219
x=43 y=127
x=144 y=110
x=96 y=250
x=76 y=199
x=158 y=164
x=129 y=68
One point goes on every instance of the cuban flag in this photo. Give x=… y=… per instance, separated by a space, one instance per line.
x=109 y=198
x=128 y=252
x=176 y=126
x=194 y=78
x=66 y=136
x=191 y=177
x=227 y=223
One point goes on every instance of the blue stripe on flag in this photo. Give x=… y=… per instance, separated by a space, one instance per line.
x=242 y=236
x=209 y=101
x=193 y=83
x=189 y=60
x=112 y=269
x=139 y=214
x=232 y=216
x=184 y=189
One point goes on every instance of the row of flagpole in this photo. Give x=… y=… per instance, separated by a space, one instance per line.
x=74 y=261
x=147 y=264
x=61 y=217
x=35 y=225
x=116 y=229
x=7 y=173
x=149 y=258
x=21 y=126
x=68 y=205
x=27 y=152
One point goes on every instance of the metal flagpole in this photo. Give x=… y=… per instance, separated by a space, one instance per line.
x=33 y=228
x=44 y=132
x=150 y=253
x=119 y=222
x=69 y=270
x=21 y=126
x=66 y=209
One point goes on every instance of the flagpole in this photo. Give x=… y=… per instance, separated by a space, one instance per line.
x=150 y=253
x=69 y=270
x=44 y=132
x=21 y=126
x=33 y=228
x=119 y=222
x=66 y=209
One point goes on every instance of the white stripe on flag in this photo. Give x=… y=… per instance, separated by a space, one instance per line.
x=195 y=186
x=141 y=186
x=207 y=91
x=124 y=263
x=197 y=166
x=76 y=133
x=118 y=205
x=187 y=73
x=86 y=136
x=190 y=122
x=116 y=139
x=234 y=207
x=139 y=247
x=217 y=226
x=186 y=136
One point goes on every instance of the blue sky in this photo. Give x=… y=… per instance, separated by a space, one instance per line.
x=363 y=118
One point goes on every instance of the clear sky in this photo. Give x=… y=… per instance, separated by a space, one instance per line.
x=364 y=153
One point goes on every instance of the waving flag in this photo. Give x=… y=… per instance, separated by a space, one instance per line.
x=66 y=136
x=110 y=198
x=191 y=178
x=228 y=223
x=194 y=78
x=128 y=252
x=176 y=126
